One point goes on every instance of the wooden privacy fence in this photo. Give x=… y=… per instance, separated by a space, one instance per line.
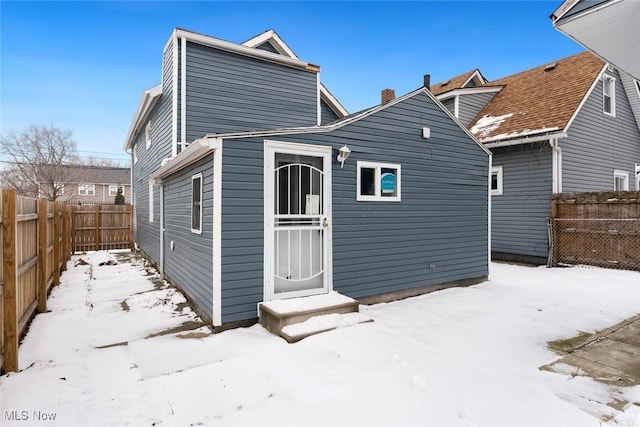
x=601 y=229
x=103 y=227
x=38 y=238
x=36 y=243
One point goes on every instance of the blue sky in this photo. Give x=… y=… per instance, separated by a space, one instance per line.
x=83 y=65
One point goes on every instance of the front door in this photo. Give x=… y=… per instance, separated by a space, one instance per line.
x=298 y=219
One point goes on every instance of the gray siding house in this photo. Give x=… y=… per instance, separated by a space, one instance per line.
x=271 y=191
x=569 y=126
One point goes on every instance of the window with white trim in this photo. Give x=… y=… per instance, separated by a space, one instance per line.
x=620 y=180
x=378 y=182
x=609 y=95
x=135 y=154
x=196 y=203
x=87 y=190
x=59 y=188
x=496 y=180
x=150 y=200
x=147 y=134
x=113 y=189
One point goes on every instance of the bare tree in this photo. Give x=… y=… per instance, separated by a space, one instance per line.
x=36 y=160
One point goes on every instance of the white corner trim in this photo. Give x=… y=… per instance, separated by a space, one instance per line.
x=456 y=106
x=174 y=97
x=161 y=266
x=318 y=104
x=216 y=317
x=489 y=214
x=556 y=166
x=183 y=94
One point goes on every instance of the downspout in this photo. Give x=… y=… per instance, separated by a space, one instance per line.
x=556 y=166
x=456 y=106
x=161 y=266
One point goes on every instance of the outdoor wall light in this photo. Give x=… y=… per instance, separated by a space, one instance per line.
x=343 y=154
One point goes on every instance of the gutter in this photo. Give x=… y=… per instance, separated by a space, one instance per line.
x=525 y=140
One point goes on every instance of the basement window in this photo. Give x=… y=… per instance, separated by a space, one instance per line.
x=378 y=182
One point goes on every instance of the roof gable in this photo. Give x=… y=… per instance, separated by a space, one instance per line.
x=469 y=79
x=278 y=45
x=539 y=100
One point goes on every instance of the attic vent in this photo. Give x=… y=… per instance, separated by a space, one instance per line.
x=550 y=67
x=445 y=83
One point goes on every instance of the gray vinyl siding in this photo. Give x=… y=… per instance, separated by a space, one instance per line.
x=598 y=143
x=378 y=247
x=580 y=7
x=268 y=47
x=190 y=264
x=228 y=92
x=633 y=94
x=518 y=222
x=147 y=234
x=470 y=105
x=327 y=114
x=450 y=104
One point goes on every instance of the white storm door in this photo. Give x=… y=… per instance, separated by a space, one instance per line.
x=298 y=218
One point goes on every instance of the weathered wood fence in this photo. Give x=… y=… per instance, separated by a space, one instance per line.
x=103 y=227
x=38 y=237
x=599 y=228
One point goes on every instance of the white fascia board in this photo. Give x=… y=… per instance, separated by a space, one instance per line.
x=147 y=101
x=194 y=152
x=468 y=91
x=566 y=6
x=547 y=135
x=332 y=102
x=275 y=40
x=476 y=73
x=242 y=50
x=586 y=96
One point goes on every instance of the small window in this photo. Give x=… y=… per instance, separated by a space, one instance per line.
x=87 y=190
x=196 y=203
x=135 y=154
x=620 y=180
x=59 y=187
x=609 y=95
x=147 y=135
x=113 y=190
x=150 y=200
x=378 y=182
x=496 y=180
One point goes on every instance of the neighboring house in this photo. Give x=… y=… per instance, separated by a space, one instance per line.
x=571 y=125
x=609 y=28
x=90 y=184
x=393 y=199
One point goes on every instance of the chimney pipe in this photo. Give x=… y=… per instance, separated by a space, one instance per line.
x=427 y=81
x=388 y=95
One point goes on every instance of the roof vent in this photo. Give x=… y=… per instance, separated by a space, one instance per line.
x=550 y=67
x=445 y=83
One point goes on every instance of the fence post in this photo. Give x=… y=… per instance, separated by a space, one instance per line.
x=42 y=254
x=96 y=221
x=63 y=247
x=73 y=227
x=10 y=269
x=56 y=243
x=72 y=231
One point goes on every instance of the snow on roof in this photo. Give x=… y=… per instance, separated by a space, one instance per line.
x=488 y=124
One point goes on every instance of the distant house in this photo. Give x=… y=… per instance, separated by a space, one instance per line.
x=88 y=184
x=252 y=184
x=608 y=28
x=571 y=125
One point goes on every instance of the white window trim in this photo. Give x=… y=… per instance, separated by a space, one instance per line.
x=59 y=187
x=497 y=170
x=150 y=200
x=378 y=197
x=147 y=134
x=193 y=178
x=621 y=174
x=83 y=189
x=135 y=154
x=606 y=77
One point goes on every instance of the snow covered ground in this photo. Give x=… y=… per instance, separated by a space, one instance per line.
x=459 y=357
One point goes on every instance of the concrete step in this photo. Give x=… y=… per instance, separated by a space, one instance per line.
x=297 y=318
